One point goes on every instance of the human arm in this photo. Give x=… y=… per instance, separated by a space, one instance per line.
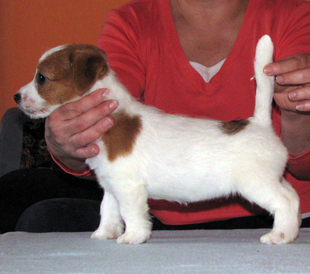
x=292 y=95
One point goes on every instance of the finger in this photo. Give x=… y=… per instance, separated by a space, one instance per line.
x=61 y=131
x=87 y=152
x=84 y=139
x=300 y=93
x=301 y=97
x=91 y=117
x=296 y=99
x=303 y=106
x=90 y=135
x=292 y=63
x=297 y=77
x=79 y=145
x=283 y=101
x=71 y=110
x=283 y=88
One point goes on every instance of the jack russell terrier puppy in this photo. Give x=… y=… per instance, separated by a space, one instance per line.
x=150 y=154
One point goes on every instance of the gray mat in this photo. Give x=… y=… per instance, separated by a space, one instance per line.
x=196 y=251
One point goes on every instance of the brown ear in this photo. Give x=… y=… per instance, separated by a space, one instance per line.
x=88 y=64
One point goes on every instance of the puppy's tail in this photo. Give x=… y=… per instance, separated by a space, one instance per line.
x=265 y=84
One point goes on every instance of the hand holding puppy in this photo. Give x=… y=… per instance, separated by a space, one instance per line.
x=71 y=129
x=292 y=89
x=292 y=95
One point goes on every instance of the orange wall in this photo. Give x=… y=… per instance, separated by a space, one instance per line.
x=29 y=28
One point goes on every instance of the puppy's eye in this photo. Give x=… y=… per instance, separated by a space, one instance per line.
x=40 y=79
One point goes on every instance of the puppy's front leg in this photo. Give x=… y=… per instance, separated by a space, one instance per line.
x=134 y=211
x=111 y=224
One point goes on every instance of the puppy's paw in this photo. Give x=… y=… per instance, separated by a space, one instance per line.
x=275 y=238
x=134 y=237
x=108 y=233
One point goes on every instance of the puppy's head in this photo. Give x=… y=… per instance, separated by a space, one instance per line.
x=64 y=74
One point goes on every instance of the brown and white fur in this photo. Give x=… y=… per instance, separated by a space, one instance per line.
x=150 y=154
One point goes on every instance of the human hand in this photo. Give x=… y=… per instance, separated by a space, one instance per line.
x=71 y=129
x=292 y=95
x=292 y=88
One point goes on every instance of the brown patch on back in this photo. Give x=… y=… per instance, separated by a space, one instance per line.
x=120 y=139
x=235 y=126
x=70 y=72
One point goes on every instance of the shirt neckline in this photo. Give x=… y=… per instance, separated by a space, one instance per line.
x=183 y=64
x=207 y=73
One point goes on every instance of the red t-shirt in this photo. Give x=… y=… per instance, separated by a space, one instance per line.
x=143 y=48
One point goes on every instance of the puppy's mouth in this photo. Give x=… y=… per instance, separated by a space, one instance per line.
x=34 y=113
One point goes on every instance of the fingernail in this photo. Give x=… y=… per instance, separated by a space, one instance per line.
x=108 y=122
x=292 y=95
x=93 y=150
x=279 y=79
x=303 y=106
x=113 y=104
x=267 y=69
x=105 y=92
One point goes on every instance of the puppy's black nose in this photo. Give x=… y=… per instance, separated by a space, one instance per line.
x=17 y=98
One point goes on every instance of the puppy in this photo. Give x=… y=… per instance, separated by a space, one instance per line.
x=150 y=154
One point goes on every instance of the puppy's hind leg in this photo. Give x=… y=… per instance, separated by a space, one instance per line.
x=111 y=224
x=287 y=218
x=282 y=201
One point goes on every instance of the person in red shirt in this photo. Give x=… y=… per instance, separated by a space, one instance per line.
x=195 y=57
